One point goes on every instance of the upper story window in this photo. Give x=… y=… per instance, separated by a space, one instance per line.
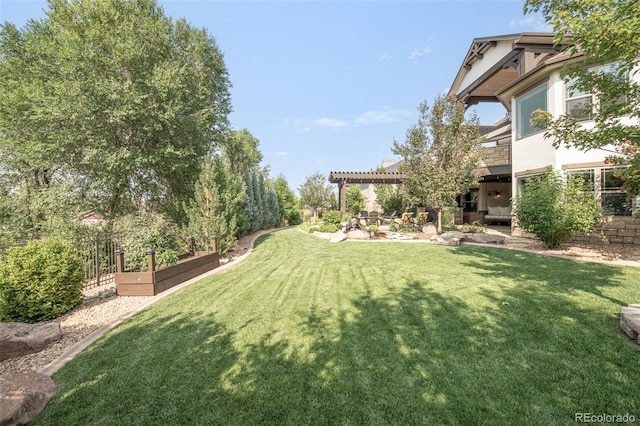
x=525 y=105
x=578 y=103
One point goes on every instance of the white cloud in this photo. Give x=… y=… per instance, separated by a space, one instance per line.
x=417 y=53
x=386 y=115
x=281 y=154
x=532 y=23
x=332 y=123
x=385 y=57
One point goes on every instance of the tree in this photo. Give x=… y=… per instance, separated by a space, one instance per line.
x=114 y=95
x=554 y=211
x=604 y=38
x=217 y=206
x=314 y=193
x=354 y=200
x=441 y=154
x=289 y=214
x=389 y=197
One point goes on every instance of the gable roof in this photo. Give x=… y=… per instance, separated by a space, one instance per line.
x=494 y=62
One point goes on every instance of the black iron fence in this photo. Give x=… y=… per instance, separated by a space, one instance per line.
x=98 y=257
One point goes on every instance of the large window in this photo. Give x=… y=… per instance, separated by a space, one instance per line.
x=525 y=105
x=469 y=201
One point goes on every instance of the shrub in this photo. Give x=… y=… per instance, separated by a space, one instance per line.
x=333 y=217
x=329 y=227
x=373 y=228
x=142 y=232
x=354 y=200
x=40 y=281
x=553 y=211
x=166 y=258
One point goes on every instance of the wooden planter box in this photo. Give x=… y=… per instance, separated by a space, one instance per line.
x=150 y=283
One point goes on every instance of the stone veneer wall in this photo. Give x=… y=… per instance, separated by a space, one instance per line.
x=497 y=155
x=614 y=229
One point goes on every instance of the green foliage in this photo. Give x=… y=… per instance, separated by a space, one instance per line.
x=287 y=203
x=390 y=197
x=40 y=281
x=333 y=217
x=554 y=211
x=315 y=193
x=373 y=228
x=441 y=154
x=217 y=207
x=166 y=257
x=115 y=96
x=355 y=200
x=329 y=227
x=142 y=232
x=607 y=32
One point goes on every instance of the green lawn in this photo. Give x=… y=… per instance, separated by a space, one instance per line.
x=309 y=332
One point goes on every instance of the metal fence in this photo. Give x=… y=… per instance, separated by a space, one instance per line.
x=98 y=258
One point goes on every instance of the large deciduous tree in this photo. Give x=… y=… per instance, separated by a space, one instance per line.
x=114 y=95
x=604 y=38
x=289 y=214
x=441 y=153
x=315 y=193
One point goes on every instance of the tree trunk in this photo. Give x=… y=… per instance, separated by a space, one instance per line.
x=439 y=211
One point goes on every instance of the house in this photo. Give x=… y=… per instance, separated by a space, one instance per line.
x=522 y=73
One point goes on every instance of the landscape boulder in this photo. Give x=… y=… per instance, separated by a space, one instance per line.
x=338 y=236
x=358 y=235
x=23 y=396
x=451 y=238
x=630 y=321
x=429 y=231
x=17 y=339
x=483 y=238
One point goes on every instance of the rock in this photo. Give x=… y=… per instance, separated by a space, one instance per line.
x=358 y=235
x=338 y=236
x=630 y=321
x=23 y=396
x=323 y=235
x=110 y=292
x=17 y=339
x=483 y=238
x=429 y=231
x=451 y=238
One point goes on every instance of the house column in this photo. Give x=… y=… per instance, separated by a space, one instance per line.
x=343 y=196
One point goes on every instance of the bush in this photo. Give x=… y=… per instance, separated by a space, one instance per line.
x=167 y=258
x=329 y=227
x=143 y=232
x=40 y=281
x=333 y=217
x=553 y=211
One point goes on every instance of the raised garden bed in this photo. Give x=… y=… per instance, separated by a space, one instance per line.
x=152 y=282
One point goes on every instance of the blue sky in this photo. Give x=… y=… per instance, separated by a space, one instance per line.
x=329 y=85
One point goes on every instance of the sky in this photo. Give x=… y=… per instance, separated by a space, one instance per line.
x=330 y=85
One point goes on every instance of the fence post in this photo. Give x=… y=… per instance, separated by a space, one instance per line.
x=119 y=260
x=151 y=260
x=98 y=259
x=192 y=250
x=214 y=244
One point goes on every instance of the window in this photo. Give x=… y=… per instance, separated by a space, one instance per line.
x=614 y=201
x=578 y=103
x=525 y=105
x=470 y=201
x=612 y=70
x=588 y=178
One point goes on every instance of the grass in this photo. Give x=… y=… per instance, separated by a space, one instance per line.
x=309 y=332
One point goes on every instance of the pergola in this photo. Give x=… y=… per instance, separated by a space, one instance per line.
x=344 y=178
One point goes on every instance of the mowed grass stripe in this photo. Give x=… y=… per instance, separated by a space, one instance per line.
x=309 y=332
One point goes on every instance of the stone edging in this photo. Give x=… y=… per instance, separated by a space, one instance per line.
x=79 y=346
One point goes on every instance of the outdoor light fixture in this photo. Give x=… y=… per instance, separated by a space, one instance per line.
x=497 y=194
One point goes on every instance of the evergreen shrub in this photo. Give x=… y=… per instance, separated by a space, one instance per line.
x=40 y=281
